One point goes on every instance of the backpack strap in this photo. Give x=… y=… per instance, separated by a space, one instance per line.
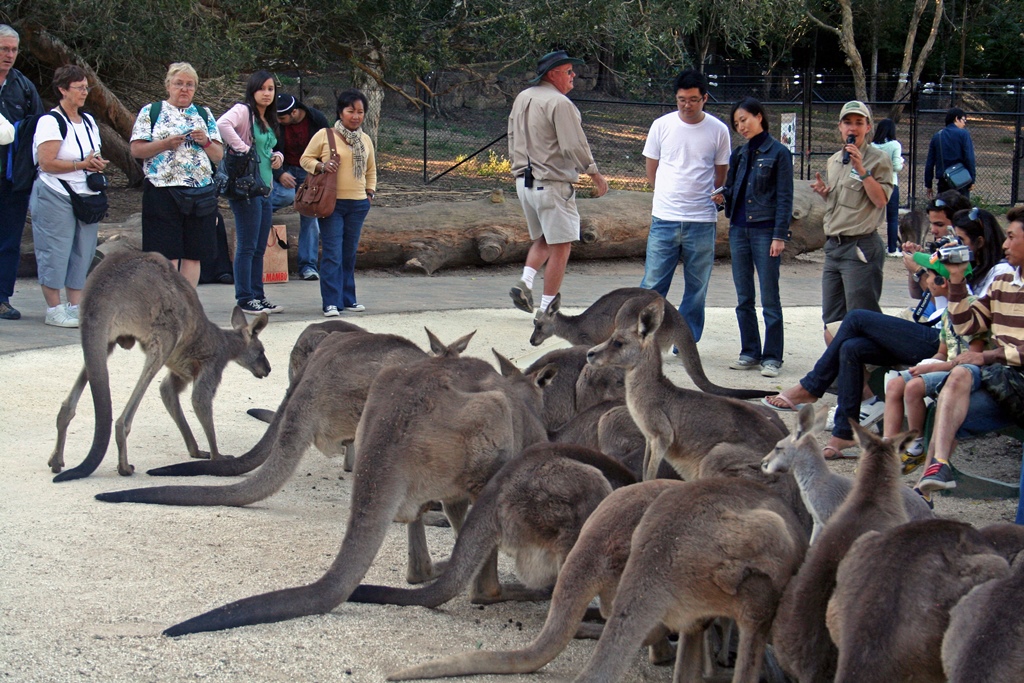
x=156 y=107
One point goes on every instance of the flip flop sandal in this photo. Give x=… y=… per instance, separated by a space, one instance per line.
x=833 y=453
x=790 y=407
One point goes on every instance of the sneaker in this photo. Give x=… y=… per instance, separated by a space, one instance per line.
x=252 y=307
x=331 y=312
x=871 y=411
x=830 y=421
x=927 y=498
x=269 y=307
x=895 y=254
x=522 y=296
x=309 y=274
x=911 y=462
x=59 y=317
x=770 y=368
x=72 y=312
x=356 y=308
x=742 y=363
x=938 y=477
x=9 y=312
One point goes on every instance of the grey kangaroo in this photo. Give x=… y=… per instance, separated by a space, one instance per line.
x=875 y=503
x=532 y=509
x=821 y=489
x=322 y=407
x=138 y=297
x=438 y=429
x=680 y=425
x=591 y=569
x=596 y=324
x=893 y=593
x=718 y=547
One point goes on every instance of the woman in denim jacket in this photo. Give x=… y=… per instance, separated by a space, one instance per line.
x=758 y=198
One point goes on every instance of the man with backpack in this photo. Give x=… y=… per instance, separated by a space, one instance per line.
x=19 y=102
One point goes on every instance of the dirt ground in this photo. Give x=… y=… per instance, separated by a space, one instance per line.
x=88 y=586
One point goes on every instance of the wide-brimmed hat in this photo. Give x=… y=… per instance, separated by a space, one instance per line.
x=855 y=107
x=285 y=103
x=550 y=61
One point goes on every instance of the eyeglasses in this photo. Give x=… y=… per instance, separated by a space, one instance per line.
x=692 y=101
x=567 y=72
x=183 y=86
x=9 y=50
x=80 y=88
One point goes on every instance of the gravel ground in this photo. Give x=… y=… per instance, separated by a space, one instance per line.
x=89 y=586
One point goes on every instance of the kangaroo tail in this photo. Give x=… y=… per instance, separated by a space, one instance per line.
x=476 y=541
x=95 y=349
x=228 y=466
x=369 y=518
x=261 y=414
x=281 y=460
x=690 y=358
x=582 y=577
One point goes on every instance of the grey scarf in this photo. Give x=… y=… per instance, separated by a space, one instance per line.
x=354 y=139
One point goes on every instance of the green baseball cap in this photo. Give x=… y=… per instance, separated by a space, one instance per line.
x=931 y=262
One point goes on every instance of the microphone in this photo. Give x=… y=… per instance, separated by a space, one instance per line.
x=850 y=139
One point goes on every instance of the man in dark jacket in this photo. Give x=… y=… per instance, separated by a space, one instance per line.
x=298 y=125
x=951 y=145
x=18 y=99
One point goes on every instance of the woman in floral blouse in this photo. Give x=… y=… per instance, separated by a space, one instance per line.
x=180 y=146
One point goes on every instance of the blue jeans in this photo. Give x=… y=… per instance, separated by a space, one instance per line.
x=892 y=220
x=751 y=249
x=866 y=337
x=253 y=218
x=309 y=228
x=694 y=244
x=339 y=233
x=13 y=210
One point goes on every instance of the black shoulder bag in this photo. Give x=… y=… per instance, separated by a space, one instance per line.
x=243 y=171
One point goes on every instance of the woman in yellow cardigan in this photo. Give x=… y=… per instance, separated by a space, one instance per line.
x=357 y=183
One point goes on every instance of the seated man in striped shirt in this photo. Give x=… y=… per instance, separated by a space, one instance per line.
x=963 y=406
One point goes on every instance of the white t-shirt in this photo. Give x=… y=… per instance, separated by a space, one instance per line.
x=687 y=155
x=73 y=149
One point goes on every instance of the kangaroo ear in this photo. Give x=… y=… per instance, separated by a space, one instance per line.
x=436 y=347
x=865 y=437
x=238 y=320
x=555 y=304
x=507 y=367
x=460 y=344
x=808 y=421
x=543 y=377
x=258 y=324
x=901 y=441
x=650 y=319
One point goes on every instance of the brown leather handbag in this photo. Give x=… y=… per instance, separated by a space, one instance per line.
x=318 y=193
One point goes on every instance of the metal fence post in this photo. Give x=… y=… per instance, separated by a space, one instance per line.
x=1018 y=146
x=915 y=102
x=426 y=173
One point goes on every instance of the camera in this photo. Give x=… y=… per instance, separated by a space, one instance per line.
x=97 y=182
x=950 y=250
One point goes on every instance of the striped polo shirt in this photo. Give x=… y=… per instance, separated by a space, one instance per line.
x=1000 y=311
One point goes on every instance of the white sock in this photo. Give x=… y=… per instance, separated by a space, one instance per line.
x=546 y=300
x=72 y=308
x=916 y=446
x=53 y=309
x=528 y=275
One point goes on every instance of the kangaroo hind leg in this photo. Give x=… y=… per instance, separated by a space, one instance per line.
x=64 y=417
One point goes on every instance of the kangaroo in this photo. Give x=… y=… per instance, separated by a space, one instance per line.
x=304 y=347
x=710 y=548
x=438 y=429
x=983 y=643
x=598 y=322
x=573 y=386
x=875 y=503
x=322 y=407
x=592 y=568
x=138 y=297
x=532 y=509
x=894 y=589
x=821 y=489
x=680 y=425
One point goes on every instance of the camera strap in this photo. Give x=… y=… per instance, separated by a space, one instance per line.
x=81 y=150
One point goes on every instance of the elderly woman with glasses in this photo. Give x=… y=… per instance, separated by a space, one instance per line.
x=66 y=146
x=181 y=146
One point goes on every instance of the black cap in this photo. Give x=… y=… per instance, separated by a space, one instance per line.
x=285 y=103
x=551 y=60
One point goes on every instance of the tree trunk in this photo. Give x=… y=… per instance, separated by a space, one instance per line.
x=117 y=150
x=374 y=93
x=849 y=44
x=102 y=102
x=908 y=79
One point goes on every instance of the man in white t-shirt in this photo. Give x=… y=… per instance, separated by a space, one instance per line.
x=687 y=158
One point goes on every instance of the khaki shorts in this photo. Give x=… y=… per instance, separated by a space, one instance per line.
x=550 y=209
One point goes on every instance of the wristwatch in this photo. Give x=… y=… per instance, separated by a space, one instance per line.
x=865 y=175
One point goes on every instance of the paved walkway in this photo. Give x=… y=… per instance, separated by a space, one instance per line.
x=465 y=288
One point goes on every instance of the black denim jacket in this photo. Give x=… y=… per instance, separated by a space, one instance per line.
x=769 y=185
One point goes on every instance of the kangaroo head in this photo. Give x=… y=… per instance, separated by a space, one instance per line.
x=595 y=385
x=629 y=340
x=252 y=357
x=874 y=447
x=453 y=350
x=809 y=424
x=544 y=322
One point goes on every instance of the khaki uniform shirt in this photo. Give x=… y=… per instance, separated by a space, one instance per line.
x=544 y=129
x=848 y=210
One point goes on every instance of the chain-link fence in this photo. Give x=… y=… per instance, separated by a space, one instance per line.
x=459 y=143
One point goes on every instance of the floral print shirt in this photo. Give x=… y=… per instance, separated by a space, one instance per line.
x=187 y=165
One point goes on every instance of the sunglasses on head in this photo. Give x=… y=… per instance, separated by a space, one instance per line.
x=939 y=203
x=973 y=214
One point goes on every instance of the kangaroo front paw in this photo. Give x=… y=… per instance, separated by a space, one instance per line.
x=126 y=470
x=55 y=463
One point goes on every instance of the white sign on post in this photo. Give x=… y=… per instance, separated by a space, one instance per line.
x=787 y=132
